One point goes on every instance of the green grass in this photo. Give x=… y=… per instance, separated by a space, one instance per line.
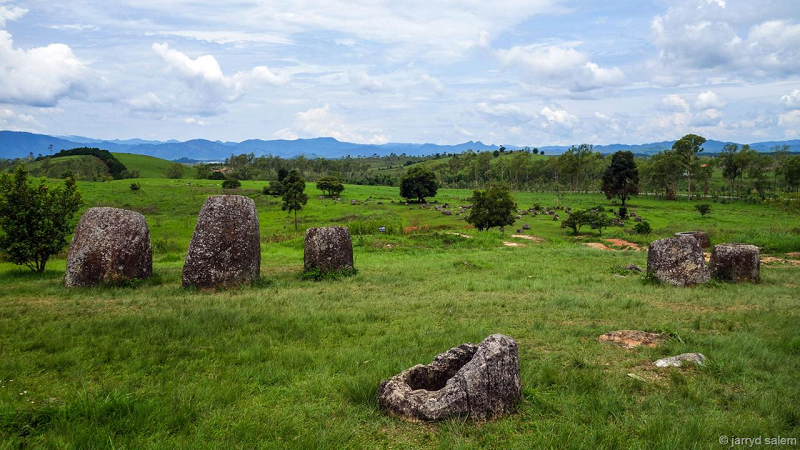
x=287 y=362
x=148 y=166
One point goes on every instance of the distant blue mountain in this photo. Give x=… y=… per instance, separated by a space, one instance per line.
x=14 y=144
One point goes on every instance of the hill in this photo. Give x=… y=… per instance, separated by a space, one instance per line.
x=148 y=166
x=15 y=144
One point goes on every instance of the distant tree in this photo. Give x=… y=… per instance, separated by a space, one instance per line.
x=729 y=164
x=687 y=149
x=621 y=178
x=231 y=183
x=493 y=207
x=202 y=171
x=294 y=196
x=576 y=220
x=703 y=209
x=791 y=172
x=216 y=175
x=418 y=183
x=175 y=170
x=598 y=221
x=535 y=150
x=275 y=188
x=330 y=185
x=35 y=220
x=642 y=227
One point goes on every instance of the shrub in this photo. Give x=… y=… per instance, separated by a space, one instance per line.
x=35 y=220
x=175 y=171
x=216 y=175
x=135 y=187
x=274 y=188
x=231 y=183
x=703 y=209
x=623 y=212
x=643 y=227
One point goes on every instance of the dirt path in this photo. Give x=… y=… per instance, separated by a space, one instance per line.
x=526 y=237
x=771 y=260
x=625 y=244
x=598 y=246
x=513 y=244
x=460 y=234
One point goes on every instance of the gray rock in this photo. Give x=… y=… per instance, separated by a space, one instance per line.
x=701 y=236
x=225 y=248
x=328 y=249
x=633 y=268
x=677 y=361
x=525 y=226
x=109 y=245
x=736 y=262
x=481 y=382
x=677 y=261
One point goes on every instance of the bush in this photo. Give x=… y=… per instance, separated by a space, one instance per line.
x=35 y=220
x=216 y=175
x=274 y=188
x=175 y=171
x=231 y=183
x=703 y=209
x=643 y=227
x=135 y=187
x=623 y=212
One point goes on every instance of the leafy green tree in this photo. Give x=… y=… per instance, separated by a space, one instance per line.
x=703 y=209
x=576 y=220
x=598 y=221
x=330 y=185
x=419 y=183
x=202 y=171
x=687 y=149
x=275 y=188
x=175 y=171
x=294 y=196
x=791 y=172
x=493 y=207
x=621 y=178
x=35 y=220
x=730 y=165
x=282 y=173
x=231 y=183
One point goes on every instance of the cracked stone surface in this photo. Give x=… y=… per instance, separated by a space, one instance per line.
x=700 y=236
x=328 y=249
x=109 y=245
x=678 y=261
x=476 y=381
x=225 y=248
x=736 y=262
x=677 y=361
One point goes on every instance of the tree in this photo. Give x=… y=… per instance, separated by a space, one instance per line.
x=598 y=221
x=294 y=196
x=202 y=171
x=576 y=220
x=231 y=183
x=282 y=173
x=493 y=207
x=419 y=183
x=703 y=209
x=175 y=170
x=621 y=178
x=791 y=172
x=330 y=184
x=687 y=149
x=275 y=188
x=35 y=220
x=730 y=165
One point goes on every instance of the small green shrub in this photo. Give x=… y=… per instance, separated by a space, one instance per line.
x=703 y=209
x=135 y=187
x=231 y=183
x=623 y=212
x=643 y=227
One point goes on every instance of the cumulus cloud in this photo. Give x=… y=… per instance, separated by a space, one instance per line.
x=364 y=83
x=433 y=83
x=322 y=122
x=558 y=66
x=205 y=77
x=39 y=76
x=792 y=99
x=504 y=112
x=9 y=119
x=558 y=117
x=708 y=99
x=699 y=40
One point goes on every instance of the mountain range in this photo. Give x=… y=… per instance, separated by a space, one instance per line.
x=16 y=144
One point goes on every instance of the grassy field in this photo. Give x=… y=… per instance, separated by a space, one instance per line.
x=293 y=363
x=148 y=166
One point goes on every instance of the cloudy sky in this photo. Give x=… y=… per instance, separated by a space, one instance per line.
x=525 y=72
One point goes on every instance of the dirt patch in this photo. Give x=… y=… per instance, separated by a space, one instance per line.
x=598 y=246
x=460 y=234
x=793 y=255
x=773 y=261
x=632 y=338
x=526 y=237
x=624 y=244
x=512 y=244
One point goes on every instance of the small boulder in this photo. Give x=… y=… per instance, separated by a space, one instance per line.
x=525 y=226
x=225 y=249
x=701 y=236
x=109 y=245
x=736 y=262
x=328 y=249
x=478 y=381
x=677 y=361
x=677 y=261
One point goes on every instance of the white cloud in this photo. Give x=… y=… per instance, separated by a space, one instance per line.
x=194 y=121
x=792 y=99
x=558 y=117
x=708 y=99
x=674 y=103
x=433 y=82
x=9 y=14
x=790 y=119
x=505 y=112
x=205 y=77
x=148 y=102
x=322 y=122
x=707 y=118
x=364 y=83
x=558 y=66
x=10 y=119
x=228 y=36
x=40 y=76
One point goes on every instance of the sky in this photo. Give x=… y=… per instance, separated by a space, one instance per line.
x=521 y=72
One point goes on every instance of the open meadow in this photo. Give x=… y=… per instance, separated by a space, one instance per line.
x=288 y=362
